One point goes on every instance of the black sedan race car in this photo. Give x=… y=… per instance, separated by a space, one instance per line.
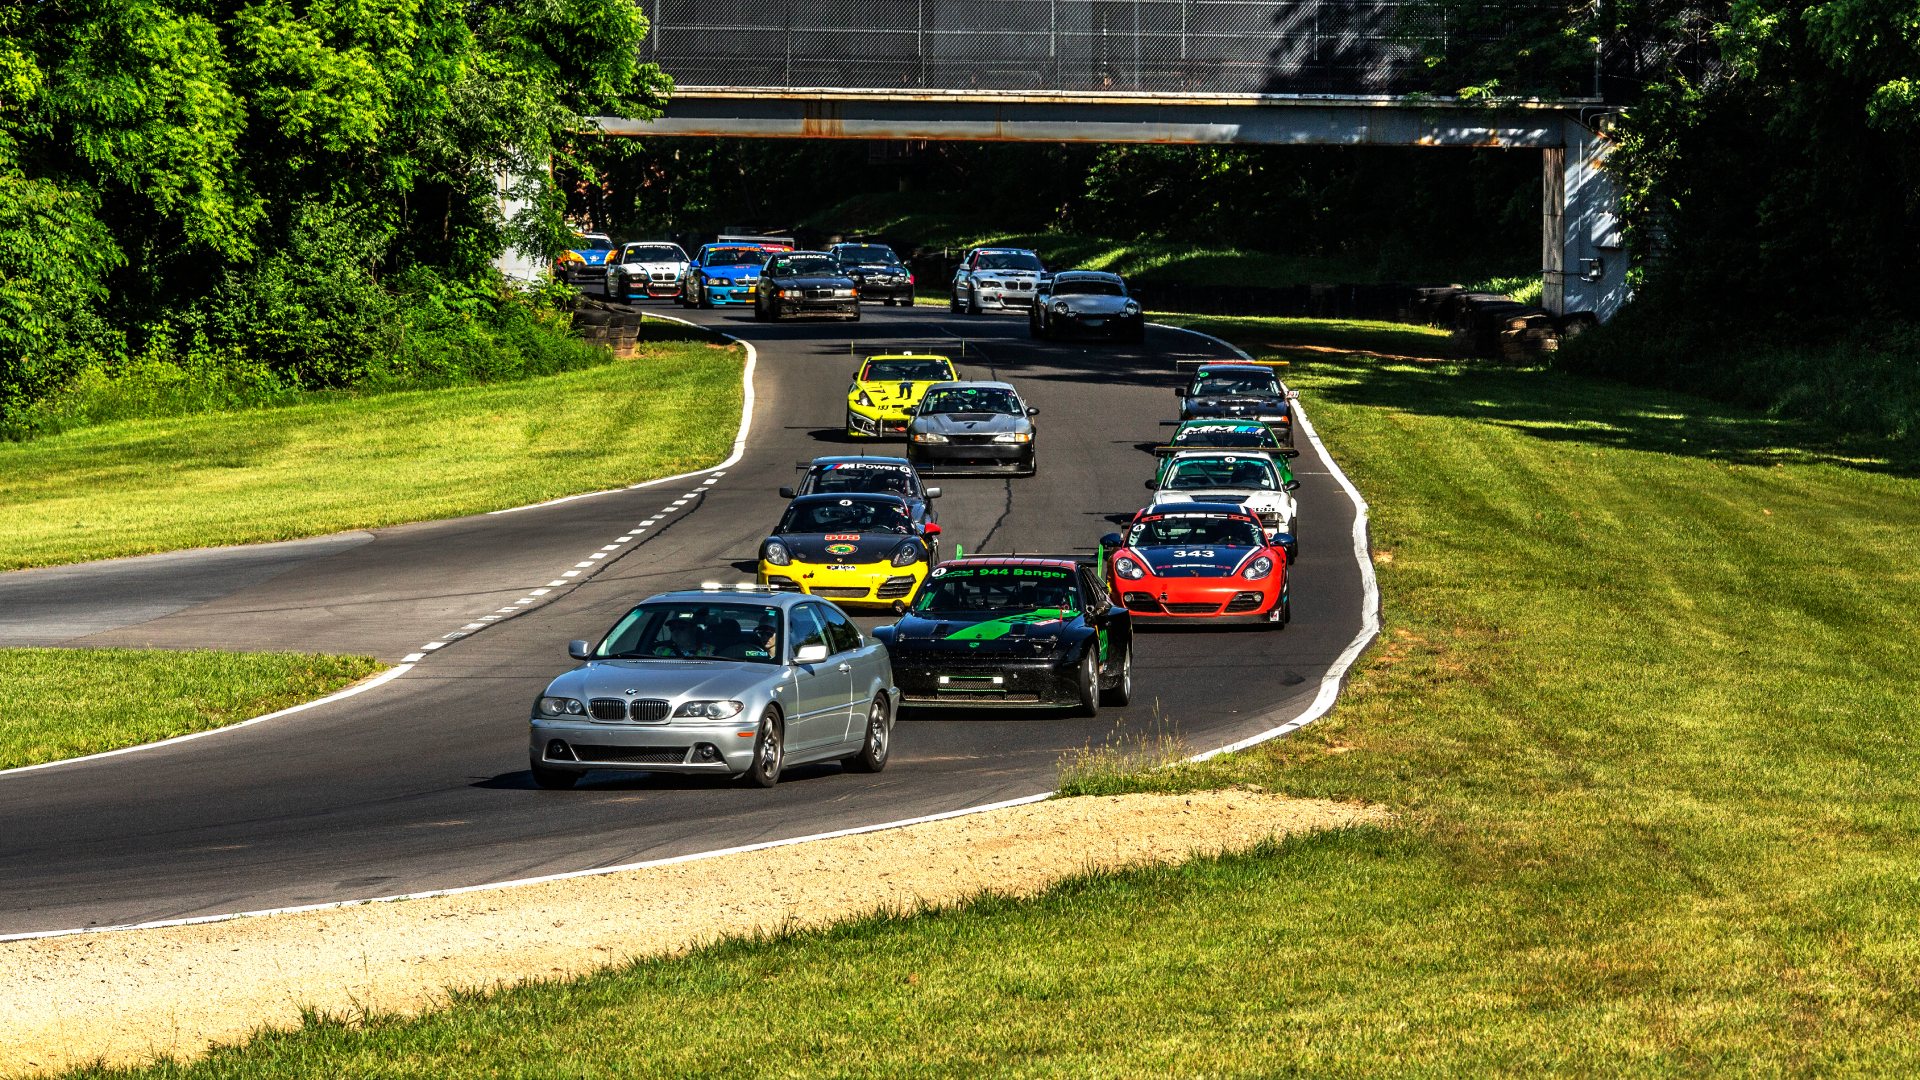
x=805 y=283
x=876 y=271
x=1012 y=632
x=1086 y=303
x=1239 y=390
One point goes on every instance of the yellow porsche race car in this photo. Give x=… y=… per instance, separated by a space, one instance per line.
x=886 y=387
x=853 y=548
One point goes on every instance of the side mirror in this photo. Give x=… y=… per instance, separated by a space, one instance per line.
x=810 y=654
x=1031 y=411
x=933 y=493
x=1291 y=485
x=1180 y=391
x=930 y=529
x=1151 y=484
x=1111 y=540
x=786 y=493
x=579 y=648
x=899 y=607
x=1287 y=544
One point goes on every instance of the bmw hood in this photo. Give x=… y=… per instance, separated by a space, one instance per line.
x=1177 y=562
x=842 y=547
x=971 y=423
x=815 y=281
x=1082 y=304
x=1027 y=633
x=664 y=679
x=881 y=269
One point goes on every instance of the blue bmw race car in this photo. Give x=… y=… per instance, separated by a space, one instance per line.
x=728 y=272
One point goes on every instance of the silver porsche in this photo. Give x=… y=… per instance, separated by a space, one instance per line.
x=1082 y=303
x=729 y=683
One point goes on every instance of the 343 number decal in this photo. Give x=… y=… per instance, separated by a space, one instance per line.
x=1193 y=553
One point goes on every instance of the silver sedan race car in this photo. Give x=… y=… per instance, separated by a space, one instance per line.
x=1085 y=303
x=996 y=279
x=727 y=683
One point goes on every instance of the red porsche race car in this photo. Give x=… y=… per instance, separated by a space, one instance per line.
x=1199 y=562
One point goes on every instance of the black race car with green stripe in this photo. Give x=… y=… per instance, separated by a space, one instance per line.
x=1013 y=632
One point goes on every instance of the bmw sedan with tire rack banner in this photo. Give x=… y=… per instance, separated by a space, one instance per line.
x=854 y=548
x=799 y=283
x=1185 y=563
x=1013 y=632
x=725 y=684
x=887 y=388
x=1086 y=303
x=973 y=429
x=1238 y=390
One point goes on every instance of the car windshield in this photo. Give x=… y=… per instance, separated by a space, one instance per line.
x=846 y=516
x=1007 y=260
x=1002 y=590
x=1222 y=472
x=735 y=257
x=800 y=265
x=867 y=253
x=593 y=243
x=1225 y=436
x=654 y=253
x=1087 y=287
x=860 y=479
x=972 y=399
x=691 y=630
x=1189 y=530
x=1250 y=383
x=934 y=370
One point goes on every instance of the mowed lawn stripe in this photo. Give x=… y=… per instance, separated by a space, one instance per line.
x=345 y=462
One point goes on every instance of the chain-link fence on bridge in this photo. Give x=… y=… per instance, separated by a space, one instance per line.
x=1160 y=46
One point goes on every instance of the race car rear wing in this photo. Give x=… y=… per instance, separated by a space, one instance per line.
x=858 y=349
x=756 y=241
x=1207 y=363
x=1282 y=451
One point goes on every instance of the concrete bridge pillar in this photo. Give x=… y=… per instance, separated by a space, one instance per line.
x=1584 y=257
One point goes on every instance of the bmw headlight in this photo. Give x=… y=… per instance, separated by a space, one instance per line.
x=1014 y=436
x=843 y=292
x=928 y=437
x=777 y=553
x=710 y=710
x=865 y=400
x=906 y=554
x=1260 y=568
x=720 y=281
x=561 y=706
x=1128 y=569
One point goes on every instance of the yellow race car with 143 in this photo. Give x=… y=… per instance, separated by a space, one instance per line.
x=887 y=387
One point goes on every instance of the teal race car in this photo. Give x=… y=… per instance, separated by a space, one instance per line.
x=728 y=272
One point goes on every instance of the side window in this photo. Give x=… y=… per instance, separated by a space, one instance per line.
x=842 y=636
x=1092 y=588
x=805 y=628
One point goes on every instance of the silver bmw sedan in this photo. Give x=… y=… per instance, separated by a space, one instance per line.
x=728 y=683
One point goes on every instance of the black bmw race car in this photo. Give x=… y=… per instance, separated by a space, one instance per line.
x=876 y=271
x=804 y=283
x=1012 y=632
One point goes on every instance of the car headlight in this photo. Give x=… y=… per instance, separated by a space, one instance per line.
x=1260 y=568
x=571 y=256
x=928 y=437
x=1014 y=436
x=710 y=710
x=561 y=706
x=719 y=281
x=1060 y=307
x=906 y=554
x=843 y=292
x=1132 y=308
x=1128 y=569
x=865 y=400
x=777 y=553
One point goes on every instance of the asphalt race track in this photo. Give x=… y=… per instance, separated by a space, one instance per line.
x=422 y=783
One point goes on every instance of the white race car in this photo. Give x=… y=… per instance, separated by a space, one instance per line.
x=996 y=279
x=652 y=269
x=1250 y=478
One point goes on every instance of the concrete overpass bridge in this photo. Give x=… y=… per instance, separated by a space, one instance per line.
x=1274 y=72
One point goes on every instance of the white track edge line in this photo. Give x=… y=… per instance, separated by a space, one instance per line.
x=384 y=677
x=739 y=439
x=1336 y=675
x=520 y=882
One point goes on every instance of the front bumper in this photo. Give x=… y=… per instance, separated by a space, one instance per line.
x=886 y=290
x=1096 y=325
x=876 y=423
x=1041 y=683
x=802 y=306
x=948 y=459
x=1227 y=603
x=868 y=583
x=1004 y=299
x=718 y=295
x=671 y=747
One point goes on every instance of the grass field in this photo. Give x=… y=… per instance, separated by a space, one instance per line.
x=1645 y=706
x=63 y=703
x=349 y=462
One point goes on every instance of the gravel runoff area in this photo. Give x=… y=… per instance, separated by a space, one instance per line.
x=125 y=996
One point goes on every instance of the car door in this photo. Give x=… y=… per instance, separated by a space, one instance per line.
x=820 y=694
x=860 y=659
